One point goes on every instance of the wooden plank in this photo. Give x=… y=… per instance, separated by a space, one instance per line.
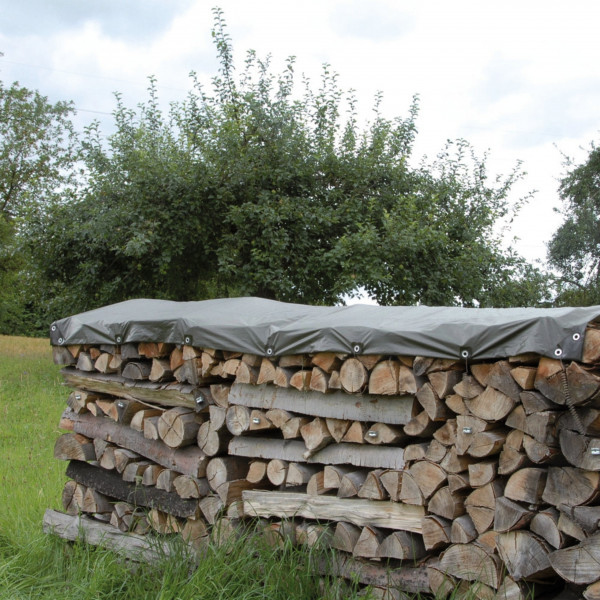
x=110 y=484
x=190 y=460
x=375 y=457
x=81 y=528
x=374 y=513
x=172 y=394
x=395 y=410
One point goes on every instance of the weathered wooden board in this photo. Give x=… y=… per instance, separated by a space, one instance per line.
x=81 y=528
x=375 y=457
x=375 y=513
x=397 y=410
x=172 y=394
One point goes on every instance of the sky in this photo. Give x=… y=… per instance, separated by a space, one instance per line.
x=519 y=80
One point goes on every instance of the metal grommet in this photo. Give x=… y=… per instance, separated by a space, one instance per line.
x=121 y=404
x=200 y=401
x=357 y=349
x=595 y=451
x=576 y=337
x=77 y=397
x=187 y=340
x=269 y=351
x=372 y=434
x=61 y=340
x=256 y=420
x=53 y=328
x=558 y=352
x=467 y=430
x=118 y=339
x=464 y=354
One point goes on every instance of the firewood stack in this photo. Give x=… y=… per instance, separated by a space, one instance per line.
x=427 y=474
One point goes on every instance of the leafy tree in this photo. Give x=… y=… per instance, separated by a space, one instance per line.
x=574 y=250
x=37 y=158
x=256 y=187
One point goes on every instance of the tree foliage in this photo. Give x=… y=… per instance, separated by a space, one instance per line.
x=574 y=250
x=37 y=166
x=263 y=185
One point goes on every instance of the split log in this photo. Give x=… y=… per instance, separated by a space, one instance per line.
x=333 y=474
x=103 y=363
x=73 y=495
x=315 y=435
x=589 y=418
x=356 y=433
x=526 y=485
x=292 y=428
x=581 y=384
x=466 y=427
x=163 y=522
x=435 y=408
x=487 y=443
x=220 y=394
x=421 y=426
x=436 y=532
x=587 y=517
x=436 y=451
x=176 y=358
x=187 y=486
x=165 y=480
x=351 y=483
x=570 y=528
x=283 y=376
x=134 y=471
x=300 y=474
x=491 y=405
x=457 y=404
x=257 y=471
x=136 y=370
x=428 y=476
x=535 y=402
x=316 y=484
x=501 y=378
x=150 y=476
x=384 y=378
x=458 y=482
x=393 y=411
x=524 y=376
x=540 y=453
x=453 y=463
x=238 y=419
x=95 y=502
x=319 y=381
x=277 y=471
x=345 y=536
x=580 y=450
x=85 y=362
x=447 y=504
x=362 y=513
x=509 y=515
x=443 y=382
x=468 y=387
x=137 y=421
x=446 y=434
x=247 y=374
x=382 y=433
x=372 y=488
x=511 y=460
x=259 y=421
x=151 y=428
x=482 y=473
x=525 y=554
x=301 y=380
x=367 y=545
x=327 y=361
x=279 y=417
x=267 y=372
x=463 y=530
x=160 y=370
x=473 y=563
x=337 y=428
x=545 y=524
x=571 y=486
x=74 y=446
x=122 y=457
x=211 y=507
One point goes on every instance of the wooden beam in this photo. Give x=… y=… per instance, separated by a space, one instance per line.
x=375 y=513
x=190 y=460
x=396 y=410
x=375 y=457
x=110 y=484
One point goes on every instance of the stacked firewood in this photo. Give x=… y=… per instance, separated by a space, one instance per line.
x=431 y=474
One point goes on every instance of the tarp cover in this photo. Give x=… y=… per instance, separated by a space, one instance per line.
x=270 y=328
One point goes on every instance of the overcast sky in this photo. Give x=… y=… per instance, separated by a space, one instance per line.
x=518 y=79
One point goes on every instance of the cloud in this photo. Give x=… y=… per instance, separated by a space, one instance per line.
x=375 y=21
x=129 y=20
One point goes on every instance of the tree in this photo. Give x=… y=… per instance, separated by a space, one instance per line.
x=256 y=188
x=37 y=158
x=574 y=250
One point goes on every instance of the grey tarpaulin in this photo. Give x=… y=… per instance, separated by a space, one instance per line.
x=267 y=327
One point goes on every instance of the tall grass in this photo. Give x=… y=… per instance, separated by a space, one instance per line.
x=34 y=565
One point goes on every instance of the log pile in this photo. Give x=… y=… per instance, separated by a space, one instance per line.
x=434 y=474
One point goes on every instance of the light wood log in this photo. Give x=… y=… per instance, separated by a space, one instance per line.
x=74 y=446
x=212 y=442
x=103 y=363
x=456 y=404
x=150 y=476
x=447 y=504
x=178 y=427
x=136 y=370
x=85 y=362
x=151 y=428
x=491 y=405
x=392 y=482
x=226 y=468
x=362 y=513
x=402 y=545
x=421 y=426
x=176 y=358
x=436 y=532
x=345 y=536
x=458 y=482
x=550 y=381
x=353 y=376
x=332 y=475
x=137 y=421
x=443 y=382
x=570 y=528
x=411 y=493
x=384 y=378
x=509 y=515
x=428 y=476
x=238 y=419
x=134 y=471
x=592 y=592
x=367 y=545
x=435 y=408
x=187 y=486
x=580 y=450
x=277 y=471
x=587 y=517
x=463 y=530
x=95 y=502
x=473 y=563
x=524 y=376
x=510 y=461
x=160 y=370
x=393 y=411
x=283 y=376
x=588 y=417
x=468 y=387
x=165 y=480
x=372 y=488
x=211 y=507
x=301 y=380
x=259 y=421
x=501 y=378
x=316 y=484
x=541 y=453
x=315 y=435
x=446 y=434
x=545 y=524
x=257 y=471
x=247 y=374
x=319 y=381
x=487 y=443
x=328 y=361
x=466 y=427
x=337 y=428
x=356 y=433
x=453 y=463
x=481 y=372
x=292 y=428
x=267 y=372
x=73 y=495
x=300 y=474
x=220 y=394
x=351 y=483
x=524 y=554
x=571 y=486
x=535 y=402
x=436 y=451
x=482 y=473
x=382 y=433
x=122 y=457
